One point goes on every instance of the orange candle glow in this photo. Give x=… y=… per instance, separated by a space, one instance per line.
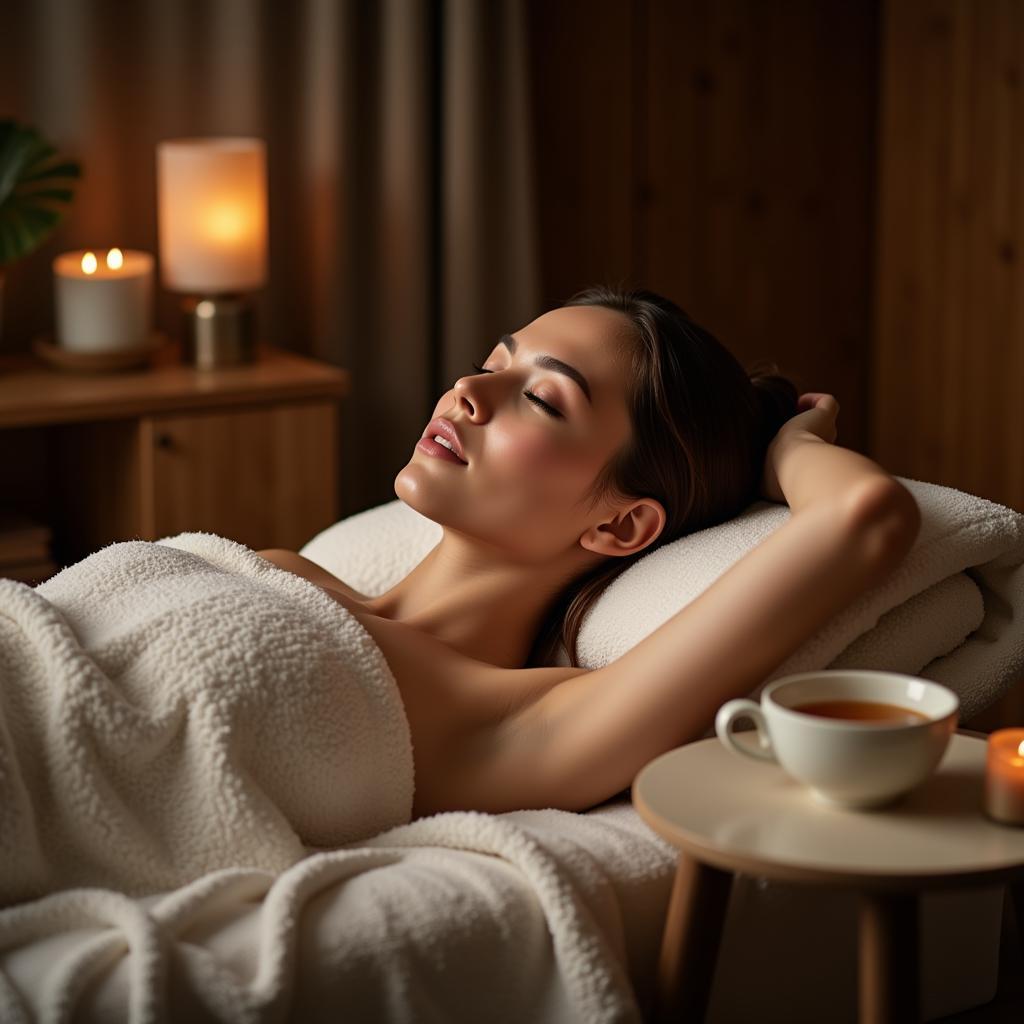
x=1004 y=776
x=212 y=214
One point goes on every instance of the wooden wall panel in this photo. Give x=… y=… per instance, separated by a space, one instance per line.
x=836 y=186
x=722 y=154
x=760 y=134
x=584 y=141
x=949 y=354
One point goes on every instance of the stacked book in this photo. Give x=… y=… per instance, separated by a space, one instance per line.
x=25 y=549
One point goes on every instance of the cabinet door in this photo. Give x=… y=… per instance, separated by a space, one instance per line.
x=265 y=477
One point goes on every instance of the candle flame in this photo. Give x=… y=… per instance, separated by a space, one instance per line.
x=1020 y=749
x=115 y=259
x=89 y=263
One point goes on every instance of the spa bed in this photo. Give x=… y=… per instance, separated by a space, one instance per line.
x=542 y=915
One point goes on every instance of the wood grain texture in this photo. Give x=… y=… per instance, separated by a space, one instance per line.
x=248 y=452
x=96 y=474
x=760 y=139
x=949 y=352
x=720 y=153
x=33 y=393
x=833 y=186
x=948 y=370
x=582 y=103
x=281 y=461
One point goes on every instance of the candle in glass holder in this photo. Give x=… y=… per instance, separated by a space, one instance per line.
x=1004 y=776
x=104 y=300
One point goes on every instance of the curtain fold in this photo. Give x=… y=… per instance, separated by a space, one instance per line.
x=402 y=216
x=489 y=231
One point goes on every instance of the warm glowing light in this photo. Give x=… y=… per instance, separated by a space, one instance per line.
x=227 y=223
x=89 y=263
x=212 y=214
x=1004 y=776
x=205 y=309
x=115 y=259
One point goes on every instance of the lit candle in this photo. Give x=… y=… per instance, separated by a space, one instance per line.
x=1004 y=776
x=104 y=300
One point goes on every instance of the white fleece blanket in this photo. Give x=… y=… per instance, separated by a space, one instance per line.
x=175 y=707
x=195 y=715
x=416 y=924
x=953 y=611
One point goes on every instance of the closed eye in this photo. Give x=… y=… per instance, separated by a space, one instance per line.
x=549 y=409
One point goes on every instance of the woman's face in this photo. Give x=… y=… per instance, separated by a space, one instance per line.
x=528 y=470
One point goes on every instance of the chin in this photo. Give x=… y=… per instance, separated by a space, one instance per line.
x=444 y=506
x=415 y=492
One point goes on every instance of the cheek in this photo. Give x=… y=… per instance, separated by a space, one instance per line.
x=538 y=460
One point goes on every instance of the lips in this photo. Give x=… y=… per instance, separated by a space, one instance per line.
x=446 y=429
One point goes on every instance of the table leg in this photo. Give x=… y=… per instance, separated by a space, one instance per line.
x=889 y=958
x=1015 y=891
x=693 y=933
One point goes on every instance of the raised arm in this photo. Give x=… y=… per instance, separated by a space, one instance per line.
x=851 y=524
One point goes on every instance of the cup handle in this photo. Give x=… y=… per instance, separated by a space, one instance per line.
x=734 y=709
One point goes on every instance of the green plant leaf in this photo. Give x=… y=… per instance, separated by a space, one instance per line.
x=18 y=237
x=29 y=213
x=63 y=194
x=15 y=158
x=41 y=151
x=36 y=218
x=67 y=170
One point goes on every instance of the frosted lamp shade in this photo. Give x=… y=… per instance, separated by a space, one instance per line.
x=212 y=214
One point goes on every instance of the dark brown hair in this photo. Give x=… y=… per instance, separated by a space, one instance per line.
x=701 y=427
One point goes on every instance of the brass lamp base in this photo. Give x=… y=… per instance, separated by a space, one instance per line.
x=220 y=330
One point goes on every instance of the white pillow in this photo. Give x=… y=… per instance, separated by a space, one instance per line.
x=952 y=611
x=372 y=550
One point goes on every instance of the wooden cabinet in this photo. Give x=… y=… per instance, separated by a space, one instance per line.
x=281 y=462
x=248 y=452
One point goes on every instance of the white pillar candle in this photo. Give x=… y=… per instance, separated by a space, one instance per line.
x=104 y=299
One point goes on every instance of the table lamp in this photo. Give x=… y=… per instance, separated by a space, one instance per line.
x=212 y=226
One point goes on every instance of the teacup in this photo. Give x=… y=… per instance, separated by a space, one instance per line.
x=850 y=761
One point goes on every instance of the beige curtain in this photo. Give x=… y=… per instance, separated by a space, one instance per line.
x=402 y=223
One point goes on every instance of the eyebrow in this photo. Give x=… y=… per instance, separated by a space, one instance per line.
x=551 y=363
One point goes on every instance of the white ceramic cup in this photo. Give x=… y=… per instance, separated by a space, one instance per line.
x=845 y=761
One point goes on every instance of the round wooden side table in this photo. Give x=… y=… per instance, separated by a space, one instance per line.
x=728 y=815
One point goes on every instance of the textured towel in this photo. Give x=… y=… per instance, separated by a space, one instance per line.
x=460 y=917
x=953 y=611
x=174 y=707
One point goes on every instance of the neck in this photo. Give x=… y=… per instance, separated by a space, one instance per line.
x=486 y=607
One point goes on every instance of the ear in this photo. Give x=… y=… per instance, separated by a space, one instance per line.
x=629 y=530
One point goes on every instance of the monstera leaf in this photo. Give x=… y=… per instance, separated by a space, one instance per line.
x=34 y=189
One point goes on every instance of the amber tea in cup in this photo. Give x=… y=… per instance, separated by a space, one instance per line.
x=858 y=738
x=861 y=711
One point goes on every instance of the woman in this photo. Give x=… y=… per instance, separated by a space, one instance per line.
x=595 y=434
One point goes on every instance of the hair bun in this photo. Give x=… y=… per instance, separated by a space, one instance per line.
x=778 y=397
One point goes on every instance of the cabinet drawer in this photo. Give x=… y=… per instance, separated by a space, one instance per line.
x=266 y=477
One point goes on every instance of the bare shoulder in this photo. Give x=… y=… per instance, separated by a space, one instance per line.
x=300 y=566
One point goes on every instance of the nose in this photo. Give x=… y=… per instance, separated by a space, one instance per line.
x=467 y=396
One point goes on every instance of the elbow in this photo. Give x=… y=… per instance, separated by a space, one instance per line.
x=887 y=518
